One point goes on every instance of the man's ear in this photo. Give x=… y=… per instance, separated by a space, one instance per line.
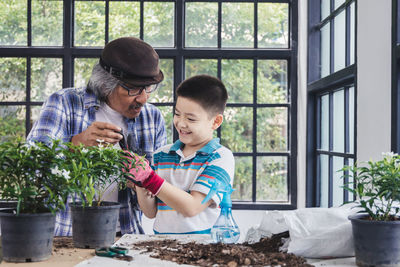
x=218 y=121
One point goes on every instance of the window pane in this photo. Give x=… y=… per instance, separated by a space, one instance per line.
x=165 y=89
x=272 y=81
x=237 y=129
x=337 y=183
x=338 y=121
x=89 y=23
x=272 y=129
x=350 y=180
x=12 y=79
x=338 y=3
x=324 y=178
x=325 y=122
x=325 y=8
x=13 y=30
x=35 y=112
x=325 y=50
x=201 y=66
x=272 y=179
x=159 y=24
x=237 y=25
x=340 y=41
x=82 y=70
x=237 y=75
x=273 y=20
x=352 y=32
x=46 y=77
x=12 y=122
x=351 y=119
x=242 y=182
x=167 y=113
x=124 y=19
x=201 y=24
x=47 y=23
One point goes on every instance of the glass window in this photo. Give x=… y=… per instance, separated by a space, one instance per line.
x=325 y=50
x=124 y=19
x=250 y=45
x=89 y=23
x=46 y=78
x=14 y=29
x=13 y=83
x=273 y=25
x=331 y=100
x=47 y=23
x=237 y=25
x=201 y=24
x=159 y=23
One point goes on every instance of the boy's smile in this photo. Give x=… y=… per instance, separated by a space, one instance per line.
x=194 y=124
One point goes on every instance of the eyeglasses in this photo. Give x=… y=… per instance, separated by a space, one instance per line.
x=134 y=91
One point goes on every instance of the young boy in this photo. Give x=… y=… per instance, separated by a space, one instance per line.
x=182 y=170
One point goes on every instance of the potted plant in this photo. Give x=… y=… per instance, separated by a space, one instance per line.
x=376 y=228
x=31 y=174
x=93 y=169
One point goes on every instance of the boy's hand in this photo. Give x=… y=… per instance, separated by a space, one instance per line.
x=142 y=168
x=143 y=175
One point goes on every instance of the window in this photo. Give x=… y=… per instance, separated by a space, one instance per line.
x=331 y=100
x=250 y=45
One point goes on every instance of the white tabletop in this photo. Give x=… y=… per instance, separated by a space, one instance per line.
x=139 y=259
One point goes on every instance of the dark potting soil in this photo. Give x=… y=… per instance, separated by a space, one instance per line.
x=62 y=242
x=263 y=253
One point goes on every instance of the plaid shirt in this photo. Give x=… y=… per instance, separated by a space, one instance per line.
x=69 y=112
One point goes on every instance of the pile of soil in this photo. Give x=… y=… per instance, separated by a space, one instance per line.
x=263 y=253
x=62 y=242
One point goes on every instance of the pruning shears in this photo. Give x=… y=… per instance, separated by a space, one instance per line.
x=114 y=252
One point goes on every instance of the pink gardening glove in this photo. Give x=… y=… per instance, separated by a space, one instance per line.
x=143 y=174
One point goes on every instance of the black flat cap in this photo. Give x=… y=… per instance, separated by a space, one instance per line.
x=132 y=61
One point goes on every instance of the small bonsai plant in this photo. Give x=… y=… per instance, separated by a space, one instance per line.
x=93 y=169
x=376 y=186
x=32 y=174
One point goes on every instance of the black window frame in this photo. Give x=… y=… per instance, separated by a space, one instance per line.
x=316 y=86
x=68 y=52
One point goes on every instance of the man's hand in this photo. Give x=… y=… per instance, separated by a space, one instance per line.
x=98 y=132
x=142 y=174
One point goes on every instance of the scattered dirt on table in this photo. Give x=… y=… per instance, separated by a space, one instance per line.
x=263 y=253
x=60 y=242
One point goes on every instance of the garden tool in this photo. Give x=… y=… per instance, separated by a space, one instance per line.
x=118 y=253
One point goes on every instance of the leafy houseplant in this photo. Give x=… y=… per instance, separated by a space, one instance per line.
x=32 y=175
x=93 y=170
x=376 y=229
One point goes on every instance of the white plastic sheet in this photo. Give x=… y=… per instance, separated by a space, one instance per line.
x=314 y=232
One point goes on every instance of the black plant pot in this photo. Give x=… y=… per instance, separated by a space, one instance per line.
x=27 y=237
x=95 y=226
x=376 y=243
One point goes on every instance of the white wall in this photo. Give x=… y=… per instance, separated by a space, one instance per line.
x=373 y=78
x=302 y=105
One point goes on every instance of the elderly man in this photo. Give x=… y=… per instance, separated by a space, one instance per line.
x=113 y=107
